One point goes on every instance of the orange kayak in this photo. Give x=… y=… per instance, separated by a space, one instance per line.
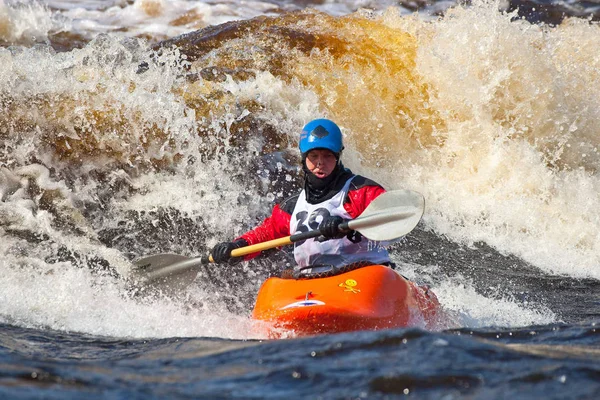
x=369 y=298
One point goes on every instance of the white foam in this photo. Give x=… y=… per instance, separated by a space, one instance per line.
x=58 y=296
x=159 y=19
x=25 y=23
x=514 y=99
x=463 y=306
x=40 y=292
x=473 y=310
x=29 y=22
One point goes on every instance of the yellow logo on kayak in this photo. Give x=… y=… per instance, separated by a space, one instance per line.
x=349 y=286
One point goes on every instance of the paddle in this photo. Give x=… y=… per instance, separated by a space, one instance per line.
x=390 y=216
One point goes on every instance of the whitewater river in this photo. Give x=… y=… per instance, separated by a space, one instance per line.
x=129 y=128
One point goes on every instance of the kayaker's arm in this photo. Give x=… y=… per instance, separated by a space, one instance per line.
x=276 y=226
x=362 y=192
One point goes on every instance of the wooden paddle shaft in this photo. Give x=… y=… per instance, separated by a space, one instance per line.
x=284 y=241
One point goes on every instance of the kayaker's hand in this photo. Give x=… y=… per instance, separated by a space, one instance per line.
x=329 y=227
x=221 y=253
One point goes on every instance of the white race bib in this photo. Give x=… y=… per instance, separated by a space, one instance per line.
x=338 y=252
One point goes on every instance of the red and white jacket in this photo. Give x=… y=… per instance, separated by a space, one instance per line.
x=361 y=192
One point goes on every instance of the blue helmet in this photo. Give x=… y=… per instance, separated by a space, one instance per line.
x=321 y=134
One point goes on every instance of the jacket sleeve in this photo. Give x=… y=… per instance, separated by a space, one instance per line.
x=274 y=227
x=362 y=192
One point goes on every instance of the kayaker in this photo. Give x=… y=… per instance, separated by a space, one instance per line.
x=331 y=194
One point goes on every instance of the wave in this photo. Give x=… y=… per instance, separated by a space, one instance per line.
x=123 y=148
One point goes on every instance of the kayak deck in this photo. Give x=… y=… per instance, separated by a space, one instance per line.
x=369 y=298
